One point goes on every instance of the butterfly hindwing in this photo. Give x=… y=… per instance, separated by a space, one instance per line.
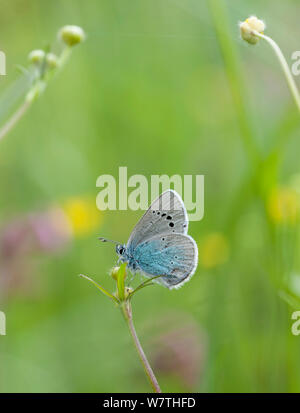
x=173 y=256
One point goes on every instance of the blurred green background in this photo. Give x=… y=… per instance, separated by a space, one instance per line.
x=162 y=87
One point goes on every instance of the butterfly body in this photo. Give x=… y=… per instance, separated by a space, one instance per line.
x=159 y=244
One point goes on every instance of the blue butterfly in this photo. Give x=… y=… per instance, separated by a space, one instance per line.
x=159 y=244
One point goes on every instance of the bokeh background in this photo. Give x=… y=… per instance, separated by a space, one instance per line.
x=159 y=87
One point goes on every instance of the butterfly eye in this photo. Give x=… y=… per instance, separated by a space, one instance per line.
x=120 y=249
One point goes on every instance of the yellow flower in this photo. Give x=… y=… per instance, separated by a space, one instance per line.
x=283 y=206
x=83 y=215
x=214 y=250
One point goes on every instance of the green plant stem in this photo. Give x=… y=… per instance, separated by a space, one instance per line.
x=277 y=267
x=33 y=94
x=14 y=119
x=285 y=67
x=127 y=312
x=64 y=57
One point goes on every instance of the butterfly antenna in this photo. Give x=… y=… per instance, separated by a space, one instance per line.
x=108 y=240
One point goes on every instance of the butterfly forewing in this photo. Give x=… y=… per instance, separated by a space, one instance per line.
x=166 y=215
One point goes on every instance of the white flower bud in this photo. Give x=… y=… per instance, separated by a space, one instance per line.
x=128 y=291
x=250 y=27
x=51 y=60
x=114 y=273
x=36 y=57
x=71 y=35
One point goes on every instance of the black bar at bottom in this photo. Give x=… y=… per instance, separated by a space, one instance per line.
x=135 y=401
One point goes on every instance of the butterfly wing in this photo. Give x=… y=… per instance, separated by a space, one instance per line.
x=173 y=256
x=167 y=214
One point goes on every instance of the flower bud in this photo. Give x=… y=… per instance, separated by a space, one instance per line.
x=249 y=27
x=128 y=291
x=71 y=35
x=36 y=57
x=114 y=273
x=51 y=60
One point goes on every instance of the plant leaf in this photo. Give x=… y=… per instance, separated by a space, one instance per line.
x=109 y=295
x=144 y=284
